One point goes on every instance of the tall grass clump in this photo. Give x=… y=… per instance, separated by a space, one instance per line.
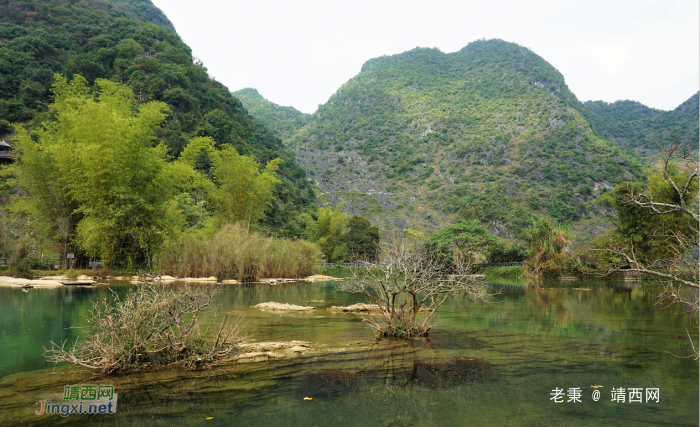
x=234 y=252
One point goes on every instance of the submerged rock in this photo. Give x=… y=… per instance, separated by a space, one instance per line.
x=442 y=374
x=456 y=371
x=355 y=308
x=264 y=351
x=362 y=308
x=269 y=346
x=277 y=306
x=329 y=383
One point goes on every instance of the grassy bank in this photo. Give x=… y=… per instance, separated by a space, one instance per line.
x=512 y=272
x=335 y=271
x=237 y=253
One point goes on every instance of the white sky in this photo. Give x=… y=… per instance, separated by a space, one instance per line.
x=300 y=52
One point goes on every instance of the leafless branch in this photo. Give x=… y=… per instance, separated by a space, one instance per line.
x=408 y=280
x=154 y=326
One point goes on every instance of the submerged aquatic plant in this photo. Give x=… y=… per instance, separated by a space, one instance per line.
x=155 y=326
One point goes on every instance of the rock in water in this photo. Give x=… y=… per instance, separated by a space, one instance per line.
x=277 y=306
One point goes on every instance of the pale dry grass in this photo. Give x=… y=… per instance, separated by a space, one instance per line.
x=155 y=326
x=237 y=253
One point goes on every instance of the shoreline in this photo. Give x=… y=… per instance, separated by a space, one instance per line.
x=55 y=281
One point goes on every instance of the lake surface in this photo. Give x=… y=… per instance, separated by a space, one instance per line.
x=483 y=365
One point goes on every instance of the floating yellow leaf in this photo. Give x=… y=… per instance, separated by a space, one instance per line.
x=210 y=418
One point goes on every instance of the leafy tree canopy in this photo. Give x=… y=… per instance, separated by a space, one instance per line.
x=362 y=238
x=467 y=237
x=101 y=184
x=95 y=177
x=131 y=42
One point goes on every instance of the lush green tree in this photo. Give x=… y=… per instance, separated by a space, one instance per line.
x=133 y=43
x=657 y=231
x=240 y=190
x=645 y=230
x=362 y=238
x=341 y=236
x=243 y=190
x=466 y=237
x=329 y=227
x=507 y=252
x=331 y=221
x=95 y=176
x=545 y=239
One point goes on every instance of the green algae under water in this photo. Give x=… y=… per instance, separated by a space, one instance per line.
x=483 y=365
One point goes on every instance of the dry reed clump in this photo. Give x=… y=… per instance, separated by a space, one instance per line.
x=234 y=252
x=155 y=326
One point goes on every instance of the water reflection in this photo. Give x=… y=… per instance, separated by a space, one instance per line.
x=488 y=364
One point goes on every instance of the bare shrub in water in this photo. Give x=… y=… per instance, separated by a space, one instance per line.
x=155 y=326
x=234 y=252
x=409 y=283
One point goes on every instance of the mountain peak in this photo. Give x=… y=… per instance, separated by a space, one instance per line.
x=420 y=138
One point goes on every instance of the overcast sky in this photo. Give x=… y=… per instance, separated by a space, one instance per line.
x=300 y=52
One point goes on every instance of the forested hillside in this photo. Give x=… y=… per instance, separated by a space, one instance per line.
x=131 y=42
x=283 y=121
x=633 y=125
x=489 y=132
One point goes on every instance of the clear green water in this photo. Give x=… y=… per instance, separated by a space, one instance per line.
x=483 y=365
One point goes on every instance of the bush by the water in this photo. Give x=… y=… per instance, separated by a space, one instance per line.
x=411 y=278
x=546 y=241
x=234 y=252
x=155 y=326
x=504 y=272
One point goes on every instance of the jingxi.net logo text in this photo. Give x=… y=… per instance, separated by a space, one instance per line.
x=81 y=399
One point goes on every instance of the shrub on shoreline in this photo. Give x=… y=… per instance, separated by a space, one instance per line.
x=514 y=272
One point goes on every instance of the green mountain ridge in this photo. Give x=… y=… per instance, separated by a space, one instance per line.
x=633 y=125
x=283 y=121
x=489 y=132
x=132 y=42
